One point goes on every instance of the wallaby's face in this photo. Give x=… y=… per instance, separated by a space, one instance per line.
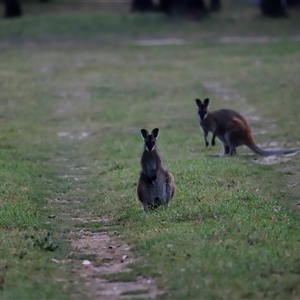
x=202 y=108
x=150 y=139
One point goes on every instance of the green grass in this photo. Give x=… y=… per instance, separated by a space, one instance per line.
x=231 y=231
x=220 y=238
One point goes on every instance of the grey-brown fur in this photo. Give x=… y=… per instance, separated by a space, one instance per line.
x=155 y=184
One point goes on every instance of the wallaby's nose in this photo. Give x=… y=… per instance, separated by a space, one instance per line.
x=150 y=145
x=202 y=115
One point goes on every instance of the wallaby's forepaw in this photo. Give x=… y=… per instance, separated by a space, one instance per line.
x=206 y=143
x=213 y=142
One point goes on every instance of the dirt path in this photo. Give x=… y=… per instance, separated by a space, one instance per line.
x=112 y=255
x=223 y=40
x=104 y=253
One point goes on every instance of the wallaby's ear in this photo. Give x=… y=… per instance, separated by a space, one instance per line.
x=144 y=133
x=155 y=132
x=206 y=102
x=198 y=102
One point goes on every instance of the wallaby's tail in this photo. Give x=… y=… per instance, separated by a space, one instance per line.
x=262 y=152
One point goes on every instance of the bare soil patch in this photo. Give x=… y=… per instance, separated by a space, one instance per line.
x=74 y=135
x=63 y=201
x=258 y=39
x=161 y=42
x=90 y=219
x=274 y=159
x=223 y=40
x=111 y=256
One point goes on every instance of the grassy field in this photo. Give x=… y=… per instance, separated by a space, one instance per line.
x=77 y=87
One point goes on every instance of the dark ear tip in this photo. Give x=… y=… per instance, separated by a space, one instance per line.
x=155 y=132
x=144 y=132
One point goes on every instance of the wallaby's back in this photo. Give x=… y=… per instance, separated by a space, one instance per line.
x=223 y=117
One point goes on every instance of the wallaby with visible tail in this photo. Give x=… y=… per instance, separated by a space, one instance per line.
x=155 y=184
x=231 y=129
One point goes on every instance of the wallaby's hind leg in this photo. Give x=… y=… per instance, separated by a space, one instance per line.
x=232 y=151
x=157 y=202
x=141 y=192
x=145 y=207
x=170 y=188
x=225 y=153
x=226 y=149
x=231 y=137
x=169 y=194
x=213 y=140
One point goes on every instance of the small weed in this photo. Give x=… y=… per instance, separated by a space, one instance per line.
x=106 y=260
x=44 y=242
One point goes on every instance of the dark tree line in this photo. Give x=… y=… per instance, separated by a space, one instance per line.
x=198 y=8
x=193 y=8
x=12 y=8
x=273 y=8
x=276 y=8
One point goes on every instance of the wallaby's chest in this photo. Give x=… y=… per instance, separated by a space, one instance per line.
x=208 y=125
x=151 y=164
x=157 y=187
x=149 y=160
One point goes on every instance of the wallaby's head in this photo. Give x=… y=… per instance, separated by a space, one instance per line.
x=150 y=139
x=202 y=108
